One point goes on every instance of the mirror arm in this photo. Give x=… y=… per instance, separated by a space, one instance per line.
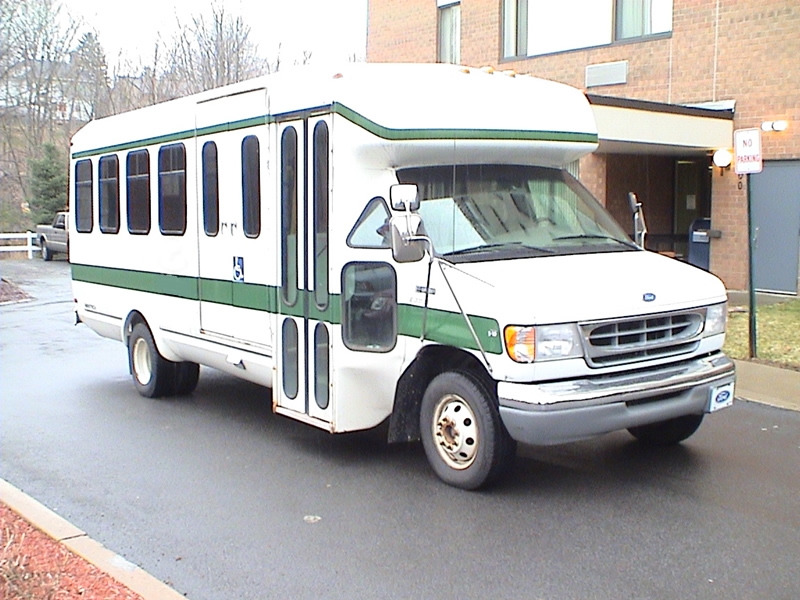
x=472 y=331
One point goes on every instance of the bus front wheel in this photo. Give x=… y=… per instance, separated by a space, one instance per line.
x=463 y=436
x=153 y=375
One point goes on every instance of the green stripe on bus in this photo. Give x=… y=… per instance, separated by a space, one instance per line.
x=212 y=290
x=255 y=296
x=331 y=313
x=159 y=139
x=441 y=326
x=449 y=328
x=178 y=286
x=178 y=136
x=460 y=134
x=358 y=119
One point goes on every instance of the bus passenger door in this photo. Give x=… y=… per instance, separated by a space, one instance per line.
x=305 y=311
x=234 y=276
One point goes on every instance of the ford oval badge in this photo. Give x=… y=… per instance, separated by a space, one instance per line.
x=649 y=297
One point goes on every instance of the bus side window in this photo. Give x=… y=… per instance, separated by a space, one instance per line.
x=172 y=189
x=321 y=193
x=109 y=193
x=138 y=188
x=289 y=181
x=251 y=187
x=84 y=217
x=371 y=228
x=210 y=189
x=369 y=306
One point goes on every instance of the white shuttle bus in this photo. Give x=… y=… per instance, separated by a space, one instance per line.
x=396 y=242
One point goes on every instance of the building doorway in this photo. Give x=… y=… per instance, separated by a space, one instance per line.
x=775 y=198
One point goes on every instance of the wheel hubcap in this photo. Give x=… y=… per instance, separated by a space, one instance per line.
x=455 y=432
x=142 y=367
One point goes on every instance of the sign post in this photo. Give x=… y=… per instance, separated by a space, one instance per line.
x=747 y=153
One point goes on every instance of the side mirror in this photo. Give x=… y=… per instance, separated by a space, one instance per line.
x=639 y=226
x=407 y=243
x=403 y=196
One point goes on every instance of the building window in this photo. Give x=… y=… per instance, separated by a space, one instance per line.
x=536 y=27
x=638 y=18
x=109 y=194
x=515 y=28
x=210 y=189
x=568 y=25
x=83 y=196
x=138 y=188
x=449 y=32
x=172 y=189
x=251 y=187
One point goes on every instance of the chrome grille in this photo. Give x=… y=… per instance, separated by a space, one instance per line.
x=643 y=338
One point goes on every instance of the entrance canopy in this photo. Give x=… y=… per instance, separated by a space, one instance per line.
x=627 y=126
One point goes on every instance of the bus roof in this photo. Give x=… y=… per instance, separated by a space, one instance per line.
x=396 y=102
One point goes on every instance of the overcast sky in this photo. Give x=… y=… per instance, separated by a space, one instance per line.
x=332 y=30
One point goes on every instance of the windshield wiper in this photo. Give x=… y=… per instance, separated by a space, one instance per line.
x=498 y=246
x=590 y=236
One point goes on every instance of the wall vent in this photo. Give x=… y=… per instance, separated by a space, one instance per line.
x=613 y=73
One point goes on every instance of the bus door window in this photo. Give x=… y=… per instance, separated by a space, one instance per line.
x=369 y=310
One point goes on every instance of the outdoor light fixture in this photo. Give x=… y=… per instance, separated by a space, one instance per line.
x=722 y=158
x=774 y=125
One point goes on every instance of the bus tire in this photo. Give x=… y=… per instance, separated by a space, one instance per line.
x=153 y=375
x=463 y=436
x=667 y=433
x=187 y=375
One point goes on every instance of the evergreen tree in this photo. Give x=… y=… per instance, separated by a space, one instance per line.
x=48 y=184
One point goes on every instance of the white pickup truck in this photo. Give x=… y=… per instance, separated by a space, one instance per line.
x=54 y=238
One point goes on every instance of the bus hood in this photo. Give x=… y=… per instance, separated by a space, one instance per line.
x=581 y=287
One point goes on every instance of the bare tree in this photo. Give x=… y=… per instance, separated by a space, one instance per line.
x=135 y=84
x=212 y=51
x=88 y=92
x=35 y=41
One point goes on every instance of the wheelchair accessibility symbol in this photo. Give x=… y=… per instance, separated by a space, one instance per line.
x=238 y=268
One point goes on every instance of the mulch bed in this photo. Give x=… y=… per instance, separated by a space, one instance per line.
x=11 y=293
x=33 y=566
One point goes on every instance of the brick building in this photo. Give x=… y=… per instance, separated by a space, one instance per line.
x=669 y=82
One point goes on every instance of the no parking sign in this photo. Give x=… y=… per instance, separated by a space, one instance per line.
x=747 y=150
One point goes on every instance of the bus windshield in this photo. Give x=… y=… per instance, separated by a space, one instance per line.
x=492 y=212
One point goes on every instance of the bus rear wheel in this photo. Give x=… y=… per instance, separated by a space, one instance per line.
x=153 y=375
x=187 y=375
x=463 y=436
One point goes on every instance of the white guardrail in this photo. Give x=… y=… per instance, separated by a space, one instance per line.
x=27 y=246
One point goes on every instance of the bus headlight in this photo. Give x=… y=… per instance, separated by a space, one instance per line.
x=716 y=317
x=526 y=344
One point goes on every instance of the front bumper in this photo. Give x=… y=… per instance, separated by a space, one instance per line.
x=570 y=410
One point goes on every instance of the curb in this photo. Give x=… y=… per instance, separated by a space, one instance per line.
x=128 y=574
x=769 y=385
